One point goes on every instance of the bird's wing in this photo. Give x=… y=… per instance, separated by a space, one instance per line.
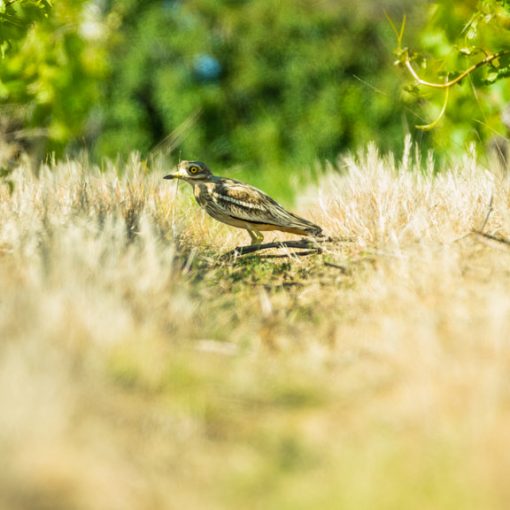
x=248 y=203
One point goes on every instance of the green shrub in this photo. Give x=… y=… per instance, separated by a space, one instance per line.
x=53 y=55
x=455 y=36
x=261 y=83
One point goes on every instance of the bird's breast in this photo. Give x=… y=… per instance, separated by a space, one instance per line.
x=202 y=193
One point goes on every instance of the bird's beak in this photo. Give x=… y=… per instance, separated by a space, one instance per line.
x=178 y=173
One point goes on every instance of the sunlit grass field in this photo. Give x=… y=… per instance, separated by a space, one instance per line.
x=139 y=370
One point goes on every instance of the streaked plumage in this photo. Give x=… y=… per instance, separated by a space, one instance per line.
x=240 y=205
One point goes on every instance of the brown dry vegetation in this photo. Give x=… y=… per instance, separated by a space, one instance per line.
x=138 y=371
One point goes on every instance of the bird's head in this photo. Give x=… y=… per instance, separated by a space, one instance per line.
x=190 y=171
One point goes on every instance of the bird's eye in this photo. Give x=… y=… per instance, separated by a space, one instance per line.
x=193 y=169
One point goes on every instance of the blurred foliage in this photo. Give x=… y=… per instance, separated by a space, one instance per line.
x=272 y=86
x=53 y=56
x=457 y=35
x=259 y=83
x=16 y=18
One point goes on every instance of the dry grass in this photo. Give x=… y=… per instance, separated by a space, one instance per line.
x=139 y=372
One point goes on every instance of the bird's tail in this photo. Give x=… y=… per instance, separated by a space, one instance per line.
x=315 y=231
x=304 y=227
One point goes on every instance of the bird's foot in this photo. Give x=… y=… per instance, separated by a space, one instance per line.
x=256 y=237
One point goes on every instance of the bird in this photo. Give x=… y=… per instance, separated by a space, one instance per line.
x=240 y=205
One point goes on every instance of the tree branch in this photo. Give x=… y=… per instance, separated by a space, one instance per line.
x=306 y=244
x=487 y=60
x=499 y=239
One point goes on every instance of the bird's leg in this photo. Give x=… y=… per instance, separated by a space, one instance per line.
x=253 y=237
x=256 y=237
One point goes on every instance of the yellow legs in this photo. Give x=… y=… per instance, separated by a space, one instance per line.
x=256 y=236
